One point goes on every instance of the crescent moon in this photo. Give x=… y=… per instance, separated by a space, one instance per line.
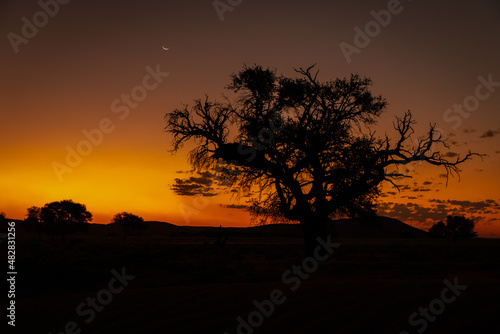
x=164 y=48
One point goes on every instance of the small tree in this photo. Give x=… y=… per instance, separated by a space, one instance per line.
x=456 y=227
x=129 y=223
x=33 y=220
x=460 y=227
x=438 y=230
x=64 y=217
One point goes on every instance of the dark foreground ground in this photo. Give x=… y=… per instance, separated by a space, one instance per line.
x=182 y=285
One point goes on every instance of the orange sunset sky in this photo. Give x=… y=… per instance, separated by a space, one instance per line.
x=76 y=70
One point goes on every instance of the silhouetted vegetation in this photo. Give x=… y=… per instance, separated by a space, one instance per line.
x=304 y=150
x=457 y=227
x=33 y=221
x=438 y=230
x=58 y=218
x=129 y=223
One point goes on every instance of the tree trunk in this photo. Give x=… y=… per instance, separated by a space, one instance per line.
x=314 y=228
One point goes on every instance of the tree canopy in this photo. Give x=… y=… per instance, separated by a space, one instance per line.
x=62 y=217
x=33 y=220
x=457 y=227
x=129 y=222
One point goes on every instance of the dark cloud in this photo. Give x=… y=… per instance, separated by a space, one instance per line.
x=474 y=207
x=413 y=212
x=438 y=209
x=409 y=197
x=389 y=194
x=450 y=154
x=426 y=183
x=421 y=189
x=203 y=184
x=491 y=201
x=235 y=206
x=436 y=201
x=490 y=133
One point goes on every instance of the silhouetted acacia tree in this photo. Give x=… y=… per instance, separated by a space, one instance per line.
x=66 y=216
x=129 y=223
x=302 y=148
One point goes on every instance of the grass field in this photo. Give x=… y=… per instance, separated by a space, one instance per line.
x=189 y=285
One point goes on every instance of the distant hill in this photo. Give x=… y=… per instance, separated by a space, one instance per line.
x=380 y=228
